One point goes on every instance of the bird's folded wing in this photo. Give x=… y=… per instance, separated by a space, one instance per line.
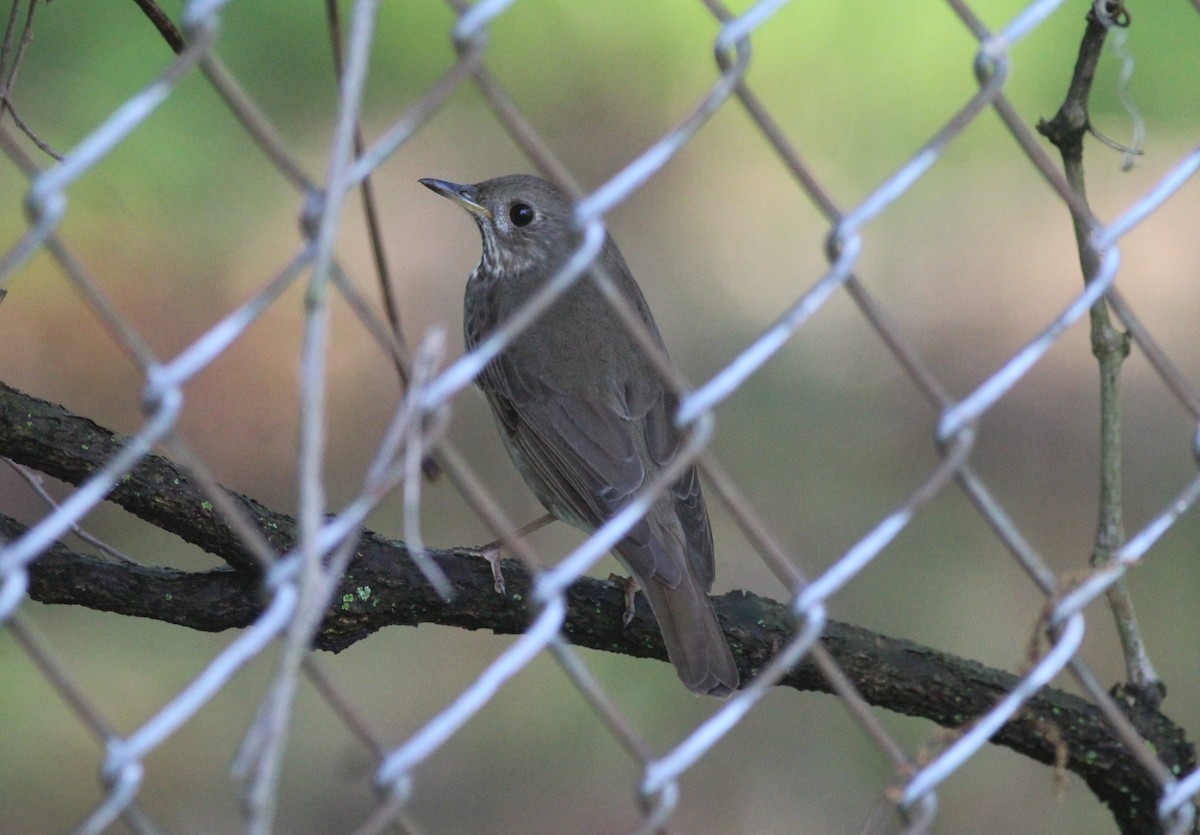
x=585 y=455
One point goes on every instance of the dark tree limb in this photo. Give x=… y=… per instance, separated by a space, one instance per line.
x=382 y=587
x=48 y=438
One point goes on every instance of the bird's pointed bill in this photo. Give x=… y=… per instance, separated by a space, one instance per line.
x=461 y=193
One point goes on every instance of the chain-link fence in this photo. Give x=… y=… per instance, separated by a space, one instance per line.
x=889 y=307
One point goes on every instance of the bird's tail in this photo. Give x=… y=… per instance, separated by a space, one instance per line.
x=695 y=643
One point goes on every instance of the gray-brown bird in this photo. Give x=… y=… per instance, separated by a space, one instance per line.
x=585 y=415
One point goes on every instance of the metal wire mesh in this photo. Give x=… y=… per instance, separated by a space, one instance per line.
x=312 y=566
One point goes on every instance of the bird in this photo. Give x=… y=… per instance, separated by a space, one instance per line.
x=585 y=415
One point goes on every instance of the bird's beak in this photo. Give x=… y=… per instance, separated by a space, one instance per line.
x=462 y=194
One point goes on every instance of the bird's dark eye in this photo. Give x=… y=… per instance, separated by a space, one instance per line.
x=521 y=214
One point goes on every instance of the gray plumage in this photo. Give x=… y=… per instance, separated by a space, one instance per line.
x=585 y=415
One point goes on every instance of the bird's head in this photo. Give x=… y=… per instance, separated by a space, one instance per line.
x=525 y=221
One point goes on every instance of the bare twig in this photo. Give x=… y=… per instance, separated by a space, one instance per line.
x=1109 y=345
x=35 y=483
x=8 y=74
x=429 y=465
x=163 y=23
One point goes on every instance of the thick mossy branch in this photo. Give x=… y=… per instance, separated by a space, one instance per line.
x=382 y=587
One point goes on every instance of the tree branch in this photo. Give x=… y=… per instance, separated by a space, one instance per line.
x=1066 y=131
x=382 y=587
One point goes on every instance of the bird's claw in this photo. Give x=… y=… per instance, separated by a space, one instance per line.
x=630 y=586
x=492 y=553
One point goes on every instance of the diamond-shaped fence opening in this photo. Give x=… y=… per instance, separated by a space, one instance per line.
x=926 y=277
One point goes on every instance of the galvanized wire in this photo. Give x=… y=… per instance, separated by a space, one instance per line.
x=297 y=585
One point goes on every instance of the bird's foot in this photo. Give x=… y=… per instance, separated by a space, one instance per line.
x=631 y=586
x=492 y=552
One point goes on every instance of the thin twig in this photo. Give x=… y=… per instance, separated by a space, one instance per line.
x=8 y=75
x=35 y=483
x=429 y=466
x=1110 y=346
x=165 y=26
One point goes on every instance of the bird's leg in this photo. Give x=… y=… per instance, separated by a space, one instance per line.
x=631 y=586
x=493 y=550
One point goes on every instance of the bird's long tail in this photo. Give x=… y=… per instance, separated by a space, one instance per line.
x=695 y=643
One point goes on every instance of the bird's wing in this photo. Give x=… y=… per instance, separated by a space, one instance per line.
x=585 y=457
x=662 y=442
x=693 y=516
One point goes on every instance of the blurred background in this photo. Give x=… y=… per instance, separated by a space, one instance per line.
x=186 y=219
